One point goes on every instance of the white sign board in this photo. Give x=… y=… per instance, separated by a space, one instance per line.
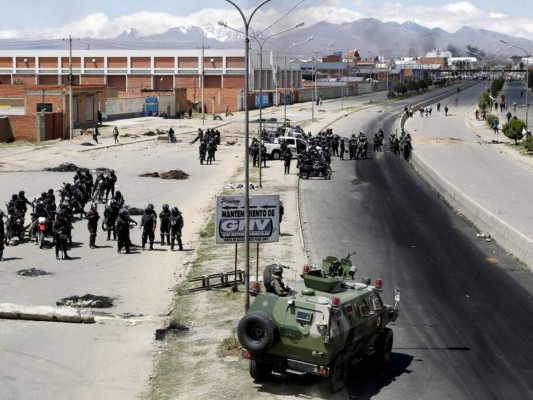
x=263 y=219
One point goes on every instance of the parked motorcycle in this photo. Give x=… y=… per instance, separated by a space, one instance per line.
x=14 y=228
x=43 y=229
x=317 y=168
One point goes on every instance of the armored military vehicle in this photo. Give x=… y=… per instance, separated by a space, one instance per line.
x=326 y=322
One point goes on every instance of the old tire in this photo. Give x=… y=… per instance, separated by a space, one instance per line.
x=383 y=348
x=40 y=238
x=256 y=332
x=260 y=372
x=334 y=382
x=276 y=155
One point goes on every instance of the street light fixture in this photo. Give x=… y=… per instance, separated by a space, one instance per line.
x=261 y=43
x=246 y=144
x=315 y=73
x=286 y=87
x=528 y=54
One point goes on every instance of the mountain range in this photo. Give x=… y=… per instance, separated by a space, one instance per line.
x=371 y=36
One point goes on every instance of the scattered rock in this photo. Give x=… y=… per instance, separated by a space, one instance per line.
x=86 y=301
x=87 y=144
x=150 y=175
x=136 y=211
x=32 y=272
x=130 y=135
x=174 y=174
x=149 y=133
x=161 y=333
x=65 y=167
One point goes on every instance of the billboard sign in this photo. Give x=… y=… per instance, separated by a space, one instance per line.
x=263 y=219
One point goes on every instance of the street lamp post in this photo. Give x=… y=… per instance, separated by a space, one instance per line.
x=286 y=87
x=528 y=54
x=261 y=43
x=314 y=94
x=246 y=144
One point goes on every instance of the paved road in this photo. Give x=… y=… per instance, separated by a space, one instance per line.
x=452 y=338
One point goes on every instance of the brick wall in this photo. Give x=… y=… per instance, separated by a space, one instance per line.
x=93 y=80
x=33 y=100
x=135 y=83
x=24 y=127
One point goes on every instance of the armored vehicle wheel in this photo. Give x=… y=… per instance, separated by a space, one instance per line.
x=383 y=347
x=260 y=372
x=256 y=332
x=304 y=174
x=334 y=382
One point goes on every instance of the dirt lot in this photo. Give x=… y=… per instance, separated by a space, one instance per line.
x=150 y=288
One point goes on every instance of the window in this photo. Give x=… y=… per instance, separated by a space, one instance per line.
x=364 y=311
x=376 y=303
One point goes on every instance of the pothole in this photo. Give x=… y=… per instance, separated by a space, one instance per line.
x=176 y=328
x=32 y=272
x=86 y=301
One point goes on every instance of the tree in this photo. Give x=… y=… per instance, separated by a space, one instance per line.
x=513 y=129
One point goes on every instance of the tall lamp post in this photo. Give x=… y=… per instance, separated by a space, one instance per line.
x=246 y=144
x=528 y=54
x=315 y=89
x=286 y=87
x=261 y=43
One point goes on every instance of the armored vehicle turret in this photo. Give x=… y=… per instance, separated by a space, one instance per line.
x=325 y=322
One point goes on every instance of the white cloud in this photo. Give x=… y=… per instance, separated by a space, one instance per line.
x=450 y=17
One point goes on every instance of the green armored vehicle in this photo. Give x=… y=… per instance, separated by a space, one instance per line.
x=319 y=327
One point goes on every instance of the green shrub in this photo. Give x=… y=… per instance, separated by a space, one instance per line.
x=513 y=129
x=490 y=119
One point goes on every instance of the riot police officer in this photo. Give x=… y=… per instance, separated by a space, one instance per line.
x=92 y=218
x=164 y=226
x=148 y=225
x=2 y=235
x=61 y=230
x=110 y=217
x=176 y=225
x=122 y=227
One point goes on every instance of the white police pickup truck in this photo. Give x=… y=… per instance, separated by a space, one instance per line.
x=295 y=144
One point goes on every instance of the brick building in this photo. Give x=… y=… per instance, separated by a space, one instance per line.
x=41 y=112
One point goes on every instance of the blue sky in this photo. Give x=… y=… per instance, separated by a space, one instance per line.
x=108 y=18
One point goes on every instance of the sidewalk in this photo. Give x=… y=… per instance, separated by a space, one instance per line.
x=488 y=182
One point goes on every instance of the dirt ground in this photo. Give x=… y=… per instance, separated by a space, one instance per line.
x=205 y=360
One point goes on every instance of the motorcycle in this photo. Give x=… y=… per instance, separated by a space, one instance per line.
x=317 y=168
x=14 y=228
x=44 y=229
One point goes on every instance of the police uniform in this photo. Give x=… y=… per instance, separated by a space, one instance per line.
x=148 y=223
x=176 y=225
x=92 y=218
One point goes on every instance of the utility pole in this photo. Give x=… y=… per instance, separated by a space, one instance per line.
x=70 y=83
x=202 y=77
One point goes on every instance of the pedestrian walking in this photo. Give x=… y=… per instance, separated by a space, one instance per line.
x=438 y=106
x=495 y=126
x=190 y=112
x=509 y=115
x=446 y=110
x=115 y=134
x=341 y=151
x=430 y=110
x=95 y=134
